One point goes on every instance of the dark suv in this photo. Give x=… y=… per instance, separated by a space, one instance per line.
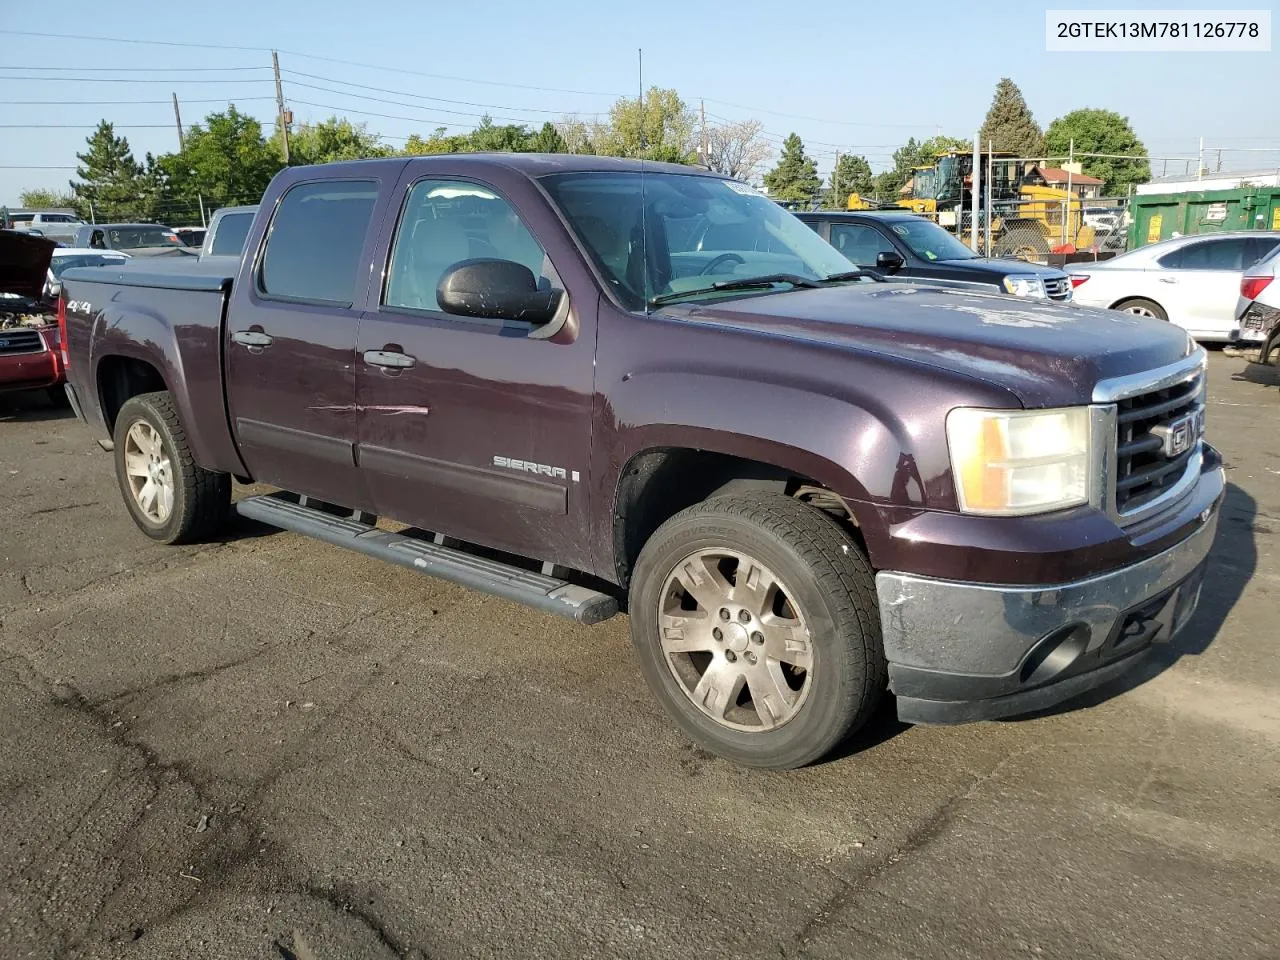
x=905 y=245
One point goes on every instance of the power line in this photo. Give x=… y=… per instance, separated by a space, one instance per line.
x=415 y=96
x=164 y=80
x=309 y=56
x=392 y=116
x=81 y=69
x=413 y=106
x=116 y=103
x=80 y=126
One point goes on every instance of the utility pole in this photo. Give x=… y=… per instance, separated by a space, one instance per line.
x=835 y=185
x=1219 y=167
x=282 y=117
x=1200 y=162
x=975 y=172
x=1066 y=213
x=702 y=107
x=177 y=117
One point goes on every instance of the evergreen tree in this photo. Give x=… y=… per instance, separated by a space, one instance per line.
x=796 y=175
x=111 y=184
x=1009 y=126
x=851 y=175
x=546 y=140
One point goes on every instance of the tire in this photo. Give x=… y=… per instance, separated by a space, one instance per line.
x=1143 y=307
x=828 y=590
x=198 y=499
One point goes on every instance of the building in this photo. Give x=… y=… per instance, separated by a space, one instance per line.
x=1081 y=184
x=1221 y=180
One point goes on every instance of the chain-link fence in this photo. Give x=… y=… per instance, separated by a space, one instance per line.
x=1035 y=229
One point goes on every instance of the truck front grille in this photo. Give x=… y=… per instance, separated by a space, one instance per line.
x=1157 y=435
x=20 y=341
x=1058 y=289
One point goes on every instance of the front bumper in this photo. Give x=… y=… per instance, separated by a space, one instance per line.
x=962 y=651
x=29 y=371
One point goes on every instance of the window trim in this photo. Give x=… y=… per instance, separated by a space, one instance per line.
x=260 y=255
x=487 y=324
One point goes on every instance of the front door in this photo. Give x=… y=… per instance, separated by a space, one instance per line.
x=475 y=429
x=291 y=371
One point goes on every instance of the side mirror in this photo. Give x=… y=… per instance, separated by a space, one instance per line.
x=496 y=289
x=890 y=261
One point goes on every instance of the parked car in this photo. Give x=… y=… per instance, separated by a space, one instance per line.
x=812 y=485
x=139 y=239
x=1258 y=307
x=59 y=225
x=227 y=231
x=66 y=257
x=29 y=345
x=1190 y=281
x=909 y=247
x=191 y=236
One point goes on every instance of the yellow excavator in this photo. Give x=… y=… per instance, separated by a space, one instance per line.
x=1027 y=216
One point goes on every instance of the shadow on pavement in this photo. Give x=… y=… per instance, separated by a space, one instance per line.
x=32 y=406
x=1232 y=562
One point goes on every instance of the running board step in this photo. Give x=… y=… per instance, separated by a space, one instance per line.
x=548 y=594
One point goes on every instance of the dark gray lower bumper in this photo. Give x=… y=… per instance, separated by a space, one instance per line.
x=967 y=651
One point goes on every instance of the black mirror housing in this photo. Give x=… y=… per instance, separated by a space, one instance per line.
x=497 y=290
x=889 y=261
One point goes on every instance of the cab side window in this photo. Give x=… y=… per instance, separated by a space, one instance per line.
x=448 y=221
x=317 y=235
x=860 y=243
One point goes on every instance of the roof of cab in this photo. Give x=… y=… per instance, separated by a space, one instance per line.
x=531 y=164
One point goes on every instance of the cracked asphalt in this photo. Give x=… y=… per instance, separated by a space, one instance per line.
x=268 y=747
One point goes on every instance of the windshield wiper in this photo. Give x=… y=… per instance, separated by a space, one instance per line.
x=847 y=275
x=743 y=283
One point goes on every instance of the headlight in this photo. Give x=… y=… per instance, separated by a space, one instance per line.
x=1025 y=286
x=1011 y=462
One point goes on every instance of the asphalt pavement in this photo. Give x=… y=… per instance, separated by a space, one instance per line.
x=269 y=747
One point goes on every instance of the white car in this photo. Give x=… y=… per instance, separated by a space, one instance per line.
x=66 y=257
x=1191 y=281
x=1258 y=306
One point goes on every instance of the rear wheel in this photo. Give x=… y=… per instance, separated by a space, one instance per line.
x=171 y=497
x=1142 y=307
x=755 y=620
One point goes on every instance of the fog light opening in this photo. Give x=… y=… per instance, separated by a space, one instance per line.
x=1055 y=653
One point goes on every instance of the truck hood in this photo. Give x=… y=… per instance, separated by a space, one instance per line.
x=995 y=268
x=1047 y=354
x=24 y=263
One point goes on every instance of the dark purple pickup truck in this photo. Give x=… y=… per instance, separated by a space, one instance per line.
x=589 y=383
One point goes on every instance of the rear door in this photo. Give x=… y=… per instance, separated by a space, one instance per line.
x=1202 y=281
x=291 y=328
x=477 y=429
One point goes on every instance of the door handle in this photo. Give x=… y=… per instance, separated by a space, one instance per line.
x=1168 y=279
x=252 y=338
x=388 y=358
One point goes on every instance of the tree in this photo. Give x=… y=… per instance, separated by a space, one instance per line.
x=736 y=149
x=658 y=128
x=796 y=175
x=332 y=140
x=852 y=174
x=112 y=184
x=576 y=134
x=225 y=162
x=1101 y=131
x=38 y=197
x=1009 y=125
x=546 y=140
x=440 y=141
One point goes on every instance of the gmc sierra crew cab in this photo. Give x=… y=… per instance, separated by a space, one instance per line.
x=588 y=383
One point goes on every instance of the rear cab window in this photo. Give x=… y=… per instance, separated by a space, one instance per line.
x=315 y=242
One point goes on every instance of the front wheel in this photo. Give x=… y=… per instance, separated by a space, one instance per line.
x=171 y=497
x=1142 y=307
x=756 y=624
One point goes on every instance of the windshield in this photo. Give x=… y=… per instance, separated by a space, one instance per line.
x=693 y=232
x=134 y=238
x=59 y=264
x=928 y=241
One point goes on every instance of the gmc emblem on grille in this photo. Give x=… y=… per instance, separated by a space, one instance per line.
x=1176 y=436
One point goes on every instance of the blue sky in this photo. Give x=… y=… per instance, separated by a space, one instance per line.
x=858 y=76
